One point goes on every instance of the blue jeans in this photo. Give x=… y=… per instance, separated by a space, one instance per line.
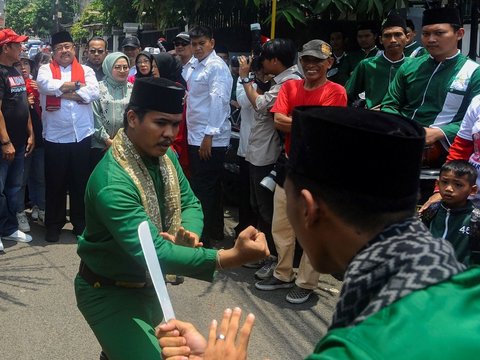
x=11 y=178
x=34 y=177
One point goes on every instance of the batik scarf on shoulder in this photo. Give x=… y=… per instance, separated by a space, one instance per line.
x=125 y=154
x=403 y=258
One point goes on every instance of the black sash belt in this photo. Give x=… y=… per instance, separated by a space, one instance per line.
x=98 y=281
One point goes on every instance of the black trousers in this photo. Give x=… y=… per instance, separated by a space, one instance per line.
x=246 y=215
x=206 y=182
x=261 y=200
x=67 y=169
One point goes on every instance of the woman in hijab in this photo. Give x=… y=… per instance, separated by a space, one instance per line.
x=169 y=67
x=144 y=65
x=108 y=110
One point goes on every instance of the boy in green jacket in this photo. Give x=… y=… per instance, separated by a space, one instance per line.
x=450 y=218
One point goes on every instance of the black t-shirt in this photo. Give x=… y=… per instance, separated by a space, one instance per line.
x=13 y=94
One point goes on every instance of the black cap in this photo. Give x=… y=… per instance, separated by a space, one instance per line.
x=61 y=37
x=393 y=19
x=443 y=15
x=131 y=41
x=158 y=94
x=368 y=152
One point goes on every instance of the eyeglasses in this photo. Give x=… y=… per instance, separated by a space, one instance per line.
x=143 y=62
x=97 y=51
x=121 y=67
x=66 y=47
x=180 y=43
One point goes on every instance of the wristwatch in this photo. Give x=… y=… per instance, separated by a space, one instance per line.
x=8 y=142
x=246 y=80
x=77 y=85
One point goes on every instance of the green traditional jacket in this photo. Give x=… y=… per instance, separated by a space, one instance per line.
x=434 y=94
x=372 y=76
x=110 y=246
x=414 y=50
x=356 y=56
x=340 y=70
x=441 y=322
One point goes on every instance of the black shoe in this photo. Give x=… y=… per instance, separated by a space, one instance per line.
x=273 y=284
x=298 y=295
x=78 y=230
x=174 y=279
x=52 y=235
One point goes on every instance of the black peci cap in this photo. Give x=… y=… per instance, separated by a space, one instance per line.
x=443 y=15
x=61 y=37
x=158 y=94
x=371 y=153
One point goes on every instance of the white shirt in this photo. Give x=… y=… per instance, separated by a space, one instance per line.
x=247 y=114
x=208 y=101
x=73 y=122
x=187 y=68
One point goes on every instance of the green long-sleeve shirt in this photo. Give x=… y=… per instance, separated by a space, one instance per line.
x=372 y=76
x=110 y=244
x=439 y=322
x=434 y=94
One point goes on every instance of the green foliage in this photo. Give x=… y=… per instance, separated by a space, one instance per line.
x=94 y=13
x=34 y=17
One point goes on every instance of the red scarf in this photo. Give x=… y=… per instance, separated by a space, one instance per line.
x=36 y=96
x=53 y=103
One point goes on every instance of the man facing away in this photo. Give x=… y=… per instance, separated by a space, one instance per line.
x=349 y=217
x=208 y=108
x=67 y=90
x=16 y=135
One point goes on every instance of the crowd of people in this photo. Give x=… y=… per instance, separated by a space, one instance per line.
x=136 y=135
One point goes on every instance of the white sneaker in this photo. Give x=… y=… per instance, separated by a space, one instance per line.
x=35 y=211
x=19 y=236
x=41 y=217
x=1 y=246
x=23 y=224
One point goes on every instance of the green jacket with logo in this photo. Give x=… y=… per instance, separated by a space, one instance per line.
x=434 y=94
x=454 y=225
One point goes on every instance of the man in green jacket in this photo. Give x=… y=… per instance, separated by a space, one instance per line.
x=373 y=75
x=404 y=294
x=139 y=179
x=436 y=90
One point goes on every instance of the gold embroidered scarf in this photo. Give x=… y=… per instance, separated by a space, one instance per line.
x=127 y=156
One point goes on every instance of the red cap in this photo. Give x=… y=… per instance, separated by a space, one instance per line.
x=9 y=36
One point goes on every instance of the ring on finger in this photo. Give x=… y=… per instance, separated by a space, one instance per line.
x=221 y=337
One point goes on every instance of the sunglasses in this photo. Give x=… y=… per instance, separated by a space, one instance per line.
x=97 y=51
x=180 y=43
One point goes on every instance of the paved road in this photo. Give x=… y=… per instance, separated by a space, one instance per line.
x=39 y=319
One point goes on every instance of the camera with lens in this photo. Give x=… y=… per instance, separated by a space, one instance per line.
x=277 y=175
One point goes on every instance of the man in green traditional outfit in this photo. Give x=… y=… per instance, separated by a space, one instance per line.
x=404 y=295
x=139 y=179
x=367 y=33
x=413 y=48
x=436 y=90
x=372 y=76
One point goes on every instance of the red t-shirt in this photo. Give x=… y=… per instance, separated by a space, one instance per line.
x=292 y=94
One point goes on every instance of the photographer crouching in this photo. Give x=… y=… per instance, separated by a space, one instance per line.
x=277 y=58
